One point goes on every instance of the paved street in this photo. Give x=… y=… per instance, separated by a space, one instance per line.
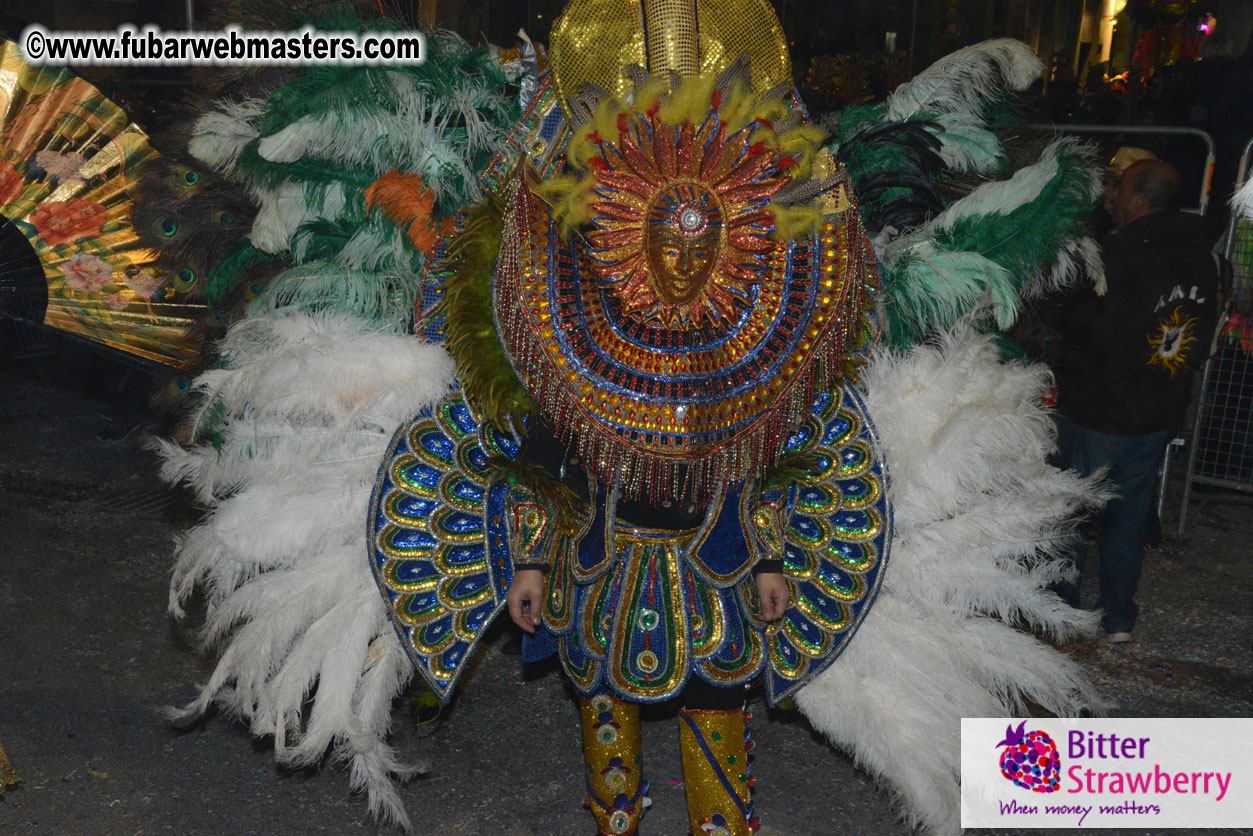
x=88 y=657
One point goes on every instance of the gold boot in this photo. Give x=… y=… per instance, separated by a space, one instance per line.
x=8 y=775
x=611 y=753
x=715 y=772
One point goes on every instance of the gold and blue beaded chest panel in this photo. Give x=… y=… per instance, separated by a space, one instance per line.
x=641 y=402
x=652 y=607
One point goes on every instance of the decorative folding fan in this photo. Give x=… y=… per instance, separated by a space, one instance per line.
x=69 y=257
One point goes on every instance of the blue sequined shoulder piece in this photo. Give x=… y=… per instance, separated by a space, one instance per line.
x=836 y=528
x=437 y=538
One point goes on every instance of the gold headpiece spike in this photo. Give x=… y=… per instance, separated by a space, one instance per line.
x=594 y=40
x=670 y=31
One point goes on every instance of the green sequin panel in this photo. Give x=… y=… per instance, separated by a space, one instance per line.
x=559 y=602
x=650 y=664
x=706 y=615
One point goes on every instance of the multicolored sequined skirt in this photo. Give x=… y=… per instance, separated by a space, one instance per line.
x=635 y=610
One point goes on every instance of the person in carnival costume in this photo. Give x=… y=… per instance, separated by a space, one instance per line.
x=643 y=305
x=699 y=497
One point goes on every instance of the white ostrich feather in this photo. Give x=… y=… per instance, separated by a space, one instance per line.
x=959 y=82
x=1026 y=184
x=307 y=406
x=1242 y=203
x=292 y=142
x=281 y=210
x=966 y=145
x=219 y=136
x=295 y=386
x=1079 y=256
x=979 y=520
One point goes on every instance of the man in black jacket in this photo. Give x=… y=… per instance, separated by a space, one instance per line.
x=1125 y=379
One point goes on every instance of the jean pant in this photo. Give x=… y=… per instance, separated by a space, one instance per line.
x=1131 y=462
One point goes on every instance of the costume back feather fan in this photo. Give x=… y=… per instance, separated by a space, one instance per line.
x=979 y=517
x=296 y=421
x=320 y=372
x=1000 y=242
x=312 y=380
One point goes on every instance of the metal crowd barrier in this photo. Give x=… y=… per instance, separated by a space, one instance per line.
x=1221 y=454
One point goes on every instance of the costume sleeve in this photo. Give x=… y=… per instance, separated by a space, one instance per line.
x=766 y=539
x=530 y=531
x=536 y=524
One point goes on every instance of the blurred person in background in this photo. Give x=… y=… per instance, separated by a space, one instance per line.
x=1124 y=380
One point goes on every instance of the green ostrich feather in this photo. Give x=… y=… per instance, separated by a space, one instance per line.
x=454 y=107
x=865 y=160
x=470 y=330
x=851 y=120
x=1027 y=238
x=996 y=256
x=348 y=125
x=550 y=491
x=322 y=239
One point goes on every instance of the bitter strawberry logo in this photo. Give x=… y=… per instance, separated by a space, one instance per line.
x=1030 y=759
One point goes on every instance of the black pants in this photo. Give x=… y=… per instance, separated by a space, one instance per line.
x=699 y=694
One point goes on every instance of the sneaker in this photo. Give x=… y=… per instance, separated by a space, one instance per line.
x=1121 y=637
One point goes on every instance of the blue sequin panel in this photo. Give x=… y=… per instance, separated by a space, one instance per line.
x=437 y=542
x=838 y=539
x=499 y=565
x=413 y=507
x=410 y=574
x=431 y=439
x=400 y=542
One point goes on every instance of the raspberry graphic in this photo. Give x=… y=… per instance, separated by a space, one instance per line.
x=1030 y=759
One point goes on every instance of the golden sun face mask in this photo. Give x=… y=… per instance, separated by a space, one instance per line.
x=683 y=239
